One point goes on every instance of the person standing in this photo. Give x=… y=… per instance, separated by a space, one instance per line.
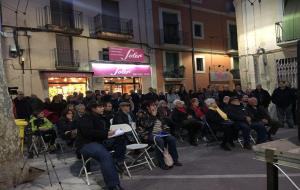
x=136 y=101
x=171 y=97
x=238 y=91
x=22 y=105
x=226 y=92
x=263 y=97
x=282 y=97
x=184 y=96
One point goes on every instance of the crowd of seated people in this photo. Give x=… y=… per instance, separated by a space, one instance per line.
x=84 y=121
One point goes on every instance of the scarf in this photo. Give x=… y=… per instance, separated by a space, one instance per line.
x=181 y=110
x=220 y=112
x=198 y=112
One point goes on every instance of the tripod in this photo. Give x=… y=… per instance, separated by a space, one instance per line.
x=45 y=152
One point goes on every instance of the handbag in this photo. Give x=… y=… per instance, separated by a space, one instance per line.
x=167 y=157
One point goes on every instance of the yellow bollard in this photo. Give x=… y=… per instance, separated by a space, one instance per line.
x=21 y=123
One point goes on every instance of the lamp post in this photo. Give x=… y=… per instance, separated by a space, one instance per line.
x=193 y=49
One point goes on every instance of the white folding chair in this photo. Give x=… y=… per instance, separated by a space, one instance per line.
x=143 y=157
x=133 y=126
x=61 y=142
x=240 y=140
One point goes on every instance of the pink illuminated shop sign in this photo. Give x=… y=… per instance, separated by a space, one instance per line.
x=126 y=54
x=120 y=70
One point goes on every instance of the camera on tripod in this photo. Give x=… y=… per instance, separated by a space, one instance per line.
x=38 y=123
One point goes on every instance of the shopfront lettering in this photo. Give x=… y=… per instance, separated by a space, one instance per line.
x=126 y=54
x=120 y=71
x=131 y=54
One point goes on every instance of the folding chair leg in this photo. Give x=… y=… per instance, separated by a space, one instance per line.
x=62 y=153
x=85 y=171
x=240 y=142
x=128 y=172
x=148 y=163
x=149 y=157
x=252 y=139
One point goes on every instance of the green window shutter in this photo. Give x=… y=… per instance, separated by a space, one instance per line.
x=291 y=20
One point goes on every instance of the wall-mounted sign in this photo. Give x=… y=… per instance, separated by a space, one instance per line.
x=126 y=54
x=120 y=70
x=220 y=76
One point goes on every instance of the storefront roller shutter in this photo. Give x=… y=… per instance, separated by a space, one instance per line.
x=291 y=20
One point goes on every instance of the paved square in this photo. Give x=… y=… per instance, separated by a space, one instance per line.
x=205 y=168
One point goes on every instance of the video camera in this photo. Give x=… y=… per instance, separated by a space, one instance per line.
x=38 y=123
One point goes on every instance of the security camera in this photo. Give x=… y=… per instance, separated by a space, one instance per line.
x=13 y=51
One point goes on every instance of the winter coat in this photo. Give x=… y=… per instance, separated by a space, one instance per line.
x=263 y=97
x=283 y=98
x=90 y=128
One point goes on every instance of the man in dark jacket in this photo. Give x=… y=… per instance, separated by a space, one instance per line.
x=150 y=96
x=282 y=97
x=226 y=92
x=238 y=91
x=259 y=115
x=242 y=119
x=123 y=116
x=136 y=101
x=263 y=97
x=91 y=137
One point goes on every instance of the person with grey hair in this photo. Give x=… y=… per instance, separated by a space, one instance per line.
x=259 y=115
x=182 y=119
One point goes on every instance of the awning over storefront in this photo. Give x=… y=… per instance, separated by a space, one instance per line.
x=65 y=74
x=120 y=70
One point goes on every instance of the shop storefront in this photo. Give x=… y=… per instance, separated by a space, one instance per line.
x=66 y=83
x=124 y=71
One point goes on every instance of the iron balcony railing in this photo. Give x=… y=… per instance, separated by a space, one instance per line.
x=176 y=73
x=106 y=23
x=286 y=32
x=66 y=59
x=172 y=37
x=50 y=19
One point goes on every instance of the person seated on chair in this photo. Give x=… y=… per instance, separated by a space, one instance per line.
x=154 y=133
x=41 y=126
x=195 y=110
x=124 y=115
x=225 y=104
x=164 y=115
x=80 y=111
x=242 y=120
x=219 y=121
x=259 y=115
x=108 y=112
x=91 y=137
x=66 y=128
x=184 y=120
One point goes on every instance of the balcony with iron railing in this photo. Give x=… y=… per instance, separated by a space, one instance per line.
x=66 y=59
x=60 y=21
x=172 y=37
x=174 y=75
x=110 y=27
x=286 y=33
